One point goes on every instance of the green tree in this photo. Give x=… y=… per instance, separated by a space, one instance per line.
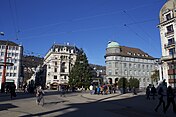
x=122 y=83
x=134 y=82
x=155 y=76
x=80 y=74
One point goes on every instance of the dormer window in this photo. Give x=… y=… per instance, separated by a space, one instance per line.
x=129 y=53
x=168 y=16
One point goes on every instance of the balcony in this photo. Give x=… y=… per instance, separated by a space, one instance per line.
x=169 y=45
x=172 y=81
x=169 y=33
x=171 y=71
x=167 y=58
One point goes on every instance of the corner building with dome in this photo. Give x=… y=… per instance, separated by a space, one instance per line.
x=128 y=62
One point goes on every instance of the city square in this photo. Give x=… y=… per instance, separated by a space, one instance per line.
x=81 y=104
x=91 y=58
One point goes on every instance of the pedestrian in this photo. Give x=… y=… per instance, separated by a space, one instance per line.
x=24 y=87
x=170 y=99
x=12 y=88
x=161 y=100
x=101 y=90
x=134 y=91
x=91 y=89
x=98 y=90
x=62 y=90
x=105 y=89
x=153 y=92
x=39 y=95
x=148 y=93
x=110 y=89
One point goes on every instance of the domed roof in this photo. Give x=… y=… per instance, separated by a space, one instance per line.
x=112 y=44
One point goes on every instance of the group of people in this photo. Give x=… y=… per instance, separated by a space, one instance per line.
x=151 y=91
x=162 y=91
x=103 y=89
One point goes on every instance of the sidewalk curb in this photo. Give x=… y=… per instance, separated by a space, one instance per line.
x=101 y=98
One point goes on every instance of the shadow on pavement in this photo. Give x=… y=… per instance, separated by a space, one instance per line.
x=136 y=106
x=22 y=95
x=6 y=106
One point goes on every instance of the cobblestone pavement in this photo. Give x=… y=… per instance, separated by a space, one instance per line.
x=81 y=105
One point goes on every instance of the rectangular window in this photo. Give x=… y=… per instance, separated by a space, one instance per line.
x=14 y=74
x=3 y=47
x=15 y=67
x=171 y=51
x=171 y=41
x=7 y=74
x=170 y=29
x=116 y=64
x=110 y=64
x=16 y=54
x=55 y=77
x=10 y=74
x=124 y=64
x=2 y=53
x=55 y=69
x=16 y=47
x=139 y=66
x=55 y=63
x=116 y=71
x=110 y=72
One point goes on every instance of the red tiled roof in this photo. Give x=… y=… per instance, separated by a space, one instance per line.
x=130 y=52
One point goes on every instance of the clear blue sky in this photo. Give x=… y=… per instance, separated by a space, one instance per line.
x=89 y=24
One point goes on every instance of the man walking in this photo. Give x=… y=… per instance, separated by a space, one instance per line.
x=161 y=101
x=170 y=99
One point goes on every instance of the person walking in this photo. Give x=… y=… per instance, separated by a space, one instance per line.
x=170 y=99
x=62 y=90
x=12 y=90
x=98 y=90
x=161 y=100
x=153 y=92
x=101 y=90
x=39 y=95
x=148 y=93
x=91 y=89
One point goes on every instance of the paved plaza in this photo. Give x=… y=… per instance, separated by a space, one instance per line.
x=80 y=105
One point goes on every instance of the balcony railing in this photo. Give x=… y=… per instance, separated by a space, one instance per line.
x=169 y=33
x=169 y=45
x=169 y=57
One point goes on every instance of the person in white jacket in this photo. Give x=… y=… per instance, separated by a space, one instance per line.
x=91 y=89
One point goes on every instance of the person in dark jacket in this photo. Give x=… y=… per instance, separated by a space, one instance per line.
x=161 y=100
x=170 y=99
x=153 y=92
x=12 y=90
